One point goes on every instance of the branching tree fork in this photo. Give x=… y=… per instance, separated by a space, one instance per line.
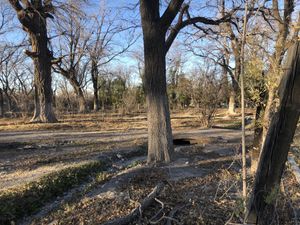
x=157 y=42
x=33 y=15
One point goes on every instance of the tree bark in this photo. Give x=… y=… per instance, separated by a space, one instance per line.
x=277 y=143
x=94 y=73
x=36 y=114
x=258 y=129
x=32 y=15
x=232 y=97
x=160 y=142
x=42 y=63
x=231 y=103
x=268 y=113
x=257 y=139
x=1 y=103
x=79 y=92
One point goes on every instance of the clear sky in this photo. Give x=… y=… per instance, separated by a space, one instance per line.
x=127 y=13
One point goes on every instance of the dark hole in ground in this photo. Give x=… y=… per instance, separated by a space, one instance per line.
x=182 y=141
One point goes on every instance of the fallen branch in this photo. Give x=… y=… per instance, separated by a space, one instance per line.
x=170 y=218
x=158 y=213
x=138 y=210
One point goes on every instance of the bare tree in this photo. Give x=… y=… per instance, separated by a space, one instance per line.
x=73 y=45
x=5 y=17
x=103 y=46
x=15 y=81
x=33 y=17
x=155 y=29
x=206 y=94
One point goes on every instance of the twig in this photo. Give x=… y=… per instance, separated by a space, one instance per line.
x=159 y=212
x=138 y=210
x=170 y=218
x=228 y=221
x=290 y=203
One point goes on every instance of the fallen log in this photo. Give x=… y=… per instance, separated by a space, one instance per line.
x=138 y=210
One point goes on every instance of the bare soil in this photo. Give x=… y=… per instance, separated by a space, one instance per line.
x=204 y=180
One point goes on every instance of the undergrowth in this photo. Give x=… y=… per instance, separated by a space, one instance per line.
x=18 y=202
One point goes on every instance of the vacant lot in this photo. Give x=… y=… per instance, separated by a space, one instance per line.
x=91 y=168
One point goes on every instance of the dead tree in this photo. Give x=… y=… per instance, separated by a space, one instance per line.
x=277 y=143
x=33 y=16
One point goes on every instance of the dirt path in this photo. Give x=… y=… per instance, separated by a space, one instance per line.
x=33 y=136
x=29 y=155
x=192 y=162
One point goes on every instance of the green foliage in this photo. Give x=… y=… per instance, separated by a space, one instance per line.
x=118 y=88
x=255 y=81
x=18 y=202
x=179 y=91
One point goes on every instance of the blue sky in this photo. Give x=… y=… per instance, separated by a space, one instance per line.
x=121 y=7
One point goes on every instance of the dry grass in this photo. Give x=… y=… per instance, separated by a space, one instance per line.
x=112 y=121
x=212 y=199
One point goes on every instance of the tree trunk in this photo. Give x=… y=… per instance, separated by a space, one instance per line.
x=8 y=100
x=232 y=97
x=94 y=73
x=160 y=143
x=277 y=143
x=80 y=95
x=96 y=101
x=258 y=128
x=257 y=139
x=42 y=64
x=231 y=103
x=1 y=103
x=268 y=114
x=36 y=115
x=34 y=20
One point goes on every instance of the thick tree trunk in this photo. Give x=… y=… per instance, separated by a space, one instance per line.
x=277 y=143
x=36 y=115
x=231 y=103
x=34 y=20
x=42 y=63
x=160 y=143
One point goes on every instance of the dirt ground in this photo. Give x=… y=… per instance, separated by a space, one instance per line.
x=32 y=151
x=202 y=183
